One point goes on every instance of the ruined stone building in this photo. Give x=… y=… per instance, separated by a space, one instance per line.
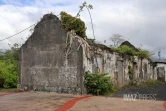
x=53 y=59
x=161 y=70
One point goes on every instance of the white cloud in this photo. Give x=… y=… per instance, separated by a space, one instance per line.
x=142 y=21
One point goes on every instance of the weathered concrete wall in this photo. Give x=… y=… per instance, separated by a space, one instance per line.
x=48 y=62
x=117 y=66
x=161 y=71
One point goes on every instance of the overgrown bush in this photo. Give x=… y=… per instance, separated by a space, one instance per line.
x=124 y=49
x=143 y=54
x=98 y=84
x=73 y=23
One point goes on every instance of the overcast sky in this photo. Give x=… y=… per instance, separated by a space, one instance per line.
x=142 y=22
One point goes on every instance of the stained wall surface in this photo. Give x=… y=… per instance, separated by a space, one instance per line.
x=48 y=63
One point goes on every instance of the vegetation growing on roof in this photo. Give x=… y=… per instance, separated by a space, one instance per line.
x=143 y=54
x=124 y=49
x=73 y=23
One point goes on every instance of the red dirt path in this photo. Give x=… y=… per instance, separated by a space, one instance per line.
x=69 y=104
x=164 y=105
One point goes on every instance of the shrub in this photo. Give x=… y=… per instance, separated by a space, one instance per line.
x=98 y=84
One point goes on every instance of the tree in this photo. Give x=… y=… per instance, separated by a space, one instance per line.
x=117 y=40
x=9 y=67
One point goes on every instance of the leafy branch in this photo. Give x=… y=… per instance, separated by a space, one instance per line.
x=88 y=7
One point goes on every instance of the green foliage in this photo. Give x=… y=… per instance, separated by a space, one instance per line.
x=97 y=83
x=124 y=49
x=143 y=54
x=9 y=68
x=73 y=23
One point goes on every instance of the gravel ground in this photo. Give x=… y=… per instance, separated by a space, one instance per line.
x=34 y=101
